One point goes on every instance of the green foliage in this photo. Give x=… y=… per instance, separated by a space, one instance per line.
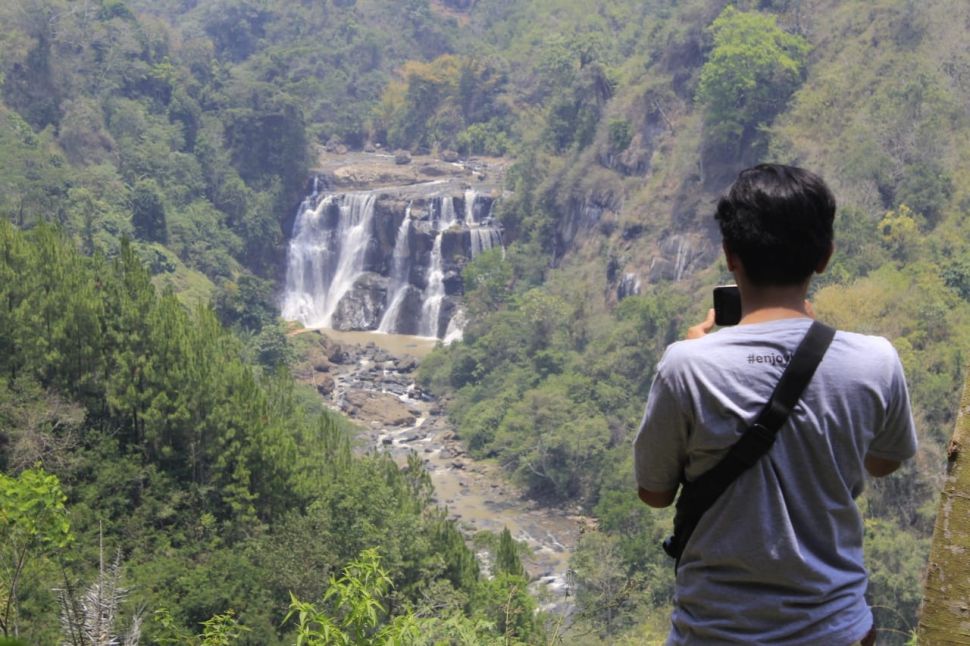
x=620 y=135
x=232 y=494
x=504 y=602
x=33 y=522
x=752 y=70
x=227 y=491
x=506 y=556
x=926 y=188
x=219 y=630
x=358 y=617
x=450 y=102
x=900 y=234
x=489 y=138
x=895 y=559
x=148 y=212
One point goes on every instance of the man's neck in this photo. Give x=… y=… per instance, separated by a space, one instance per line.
x=761 y=304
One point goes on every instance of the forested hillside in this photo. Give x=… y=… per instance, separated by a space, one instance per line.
x=152 y=154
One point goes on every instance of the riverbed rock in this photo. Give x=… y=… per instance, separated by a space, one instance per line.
x=385 y=409
x=394 y=388
x=407 y=364
x=402 y=157
x=336 y=353
x=324 y=384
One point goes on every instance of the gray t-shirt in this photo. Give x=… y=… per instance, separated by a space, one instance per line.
x=778 y=558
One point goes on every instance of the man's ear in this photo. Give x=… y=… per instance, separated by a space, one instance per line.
x=824 y=262
x=730 y=257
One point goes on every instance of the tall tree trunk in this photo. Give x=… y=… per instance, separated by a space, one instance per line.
x=945 y=615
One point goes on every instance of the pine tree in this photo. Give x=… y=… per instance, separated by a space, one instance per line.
x=506 y=557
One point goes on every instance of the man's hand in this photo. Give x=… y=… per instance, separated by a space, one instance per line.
x=702 y=328
x=880 y=467
x=658 y=499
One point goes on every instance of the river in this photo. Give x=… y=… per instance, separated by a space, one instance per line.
x=396 y=418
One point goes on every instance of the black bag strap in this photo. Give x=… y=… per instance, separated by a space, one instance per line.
x=696 y=497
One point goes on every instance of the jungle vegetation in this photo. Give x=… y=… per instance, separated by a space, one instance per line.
x=152 y=154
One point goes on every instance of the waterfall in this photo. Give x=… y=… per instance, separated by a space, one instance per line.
x=350 y=267
x=682 y=259
x=470 y=196
x=434 y=294
x=324 y=262
x=481 y=235
x=399 y=274
x=483 y=239
x=447 y=217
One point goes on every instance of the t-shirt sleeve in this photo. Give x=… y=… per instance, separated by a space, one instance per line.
x=660 y=447
x=897 y=438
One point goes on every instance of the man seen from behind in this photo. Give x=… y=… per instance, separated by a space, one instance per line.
x=777 y=559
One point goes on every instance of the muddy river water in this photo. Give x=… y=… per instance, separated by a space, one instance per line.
x=477 y=494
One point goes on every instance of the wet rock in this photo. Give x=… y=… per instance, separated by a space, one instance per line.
x=387 y=441
x=395 y=389
x=338 y=354
x=385 y=409
x=361 y=307
x=432 y=171
x=324 y=384
x=407 y=364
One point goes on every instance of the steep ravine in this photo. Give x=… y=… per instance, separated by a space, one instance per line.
x=374 y=386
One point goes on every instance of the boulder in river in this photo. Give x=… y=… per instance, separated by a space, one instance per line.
x=324 y=384
x=407 y=363
x=387 y=410
x=337 y=354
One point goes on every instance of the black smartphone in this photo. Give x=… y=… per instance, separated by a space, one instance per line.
x=727 y=305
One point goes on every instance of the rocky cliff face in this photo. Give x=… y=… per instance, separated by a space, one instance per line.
x=387 y=258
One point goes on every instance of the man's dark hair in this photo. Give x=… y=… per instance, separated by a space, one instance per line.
x=778 y=220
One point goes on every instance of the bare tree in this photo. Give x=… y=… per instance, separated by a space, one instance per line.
x=89 y=620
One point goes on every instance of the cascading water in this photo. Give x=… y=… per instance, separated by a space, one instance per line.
x=483 y=239
x=470 y=198
x=399 y=275
x=435 y=292
x=324 y=262
x=431 y=310
x=351 y=269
